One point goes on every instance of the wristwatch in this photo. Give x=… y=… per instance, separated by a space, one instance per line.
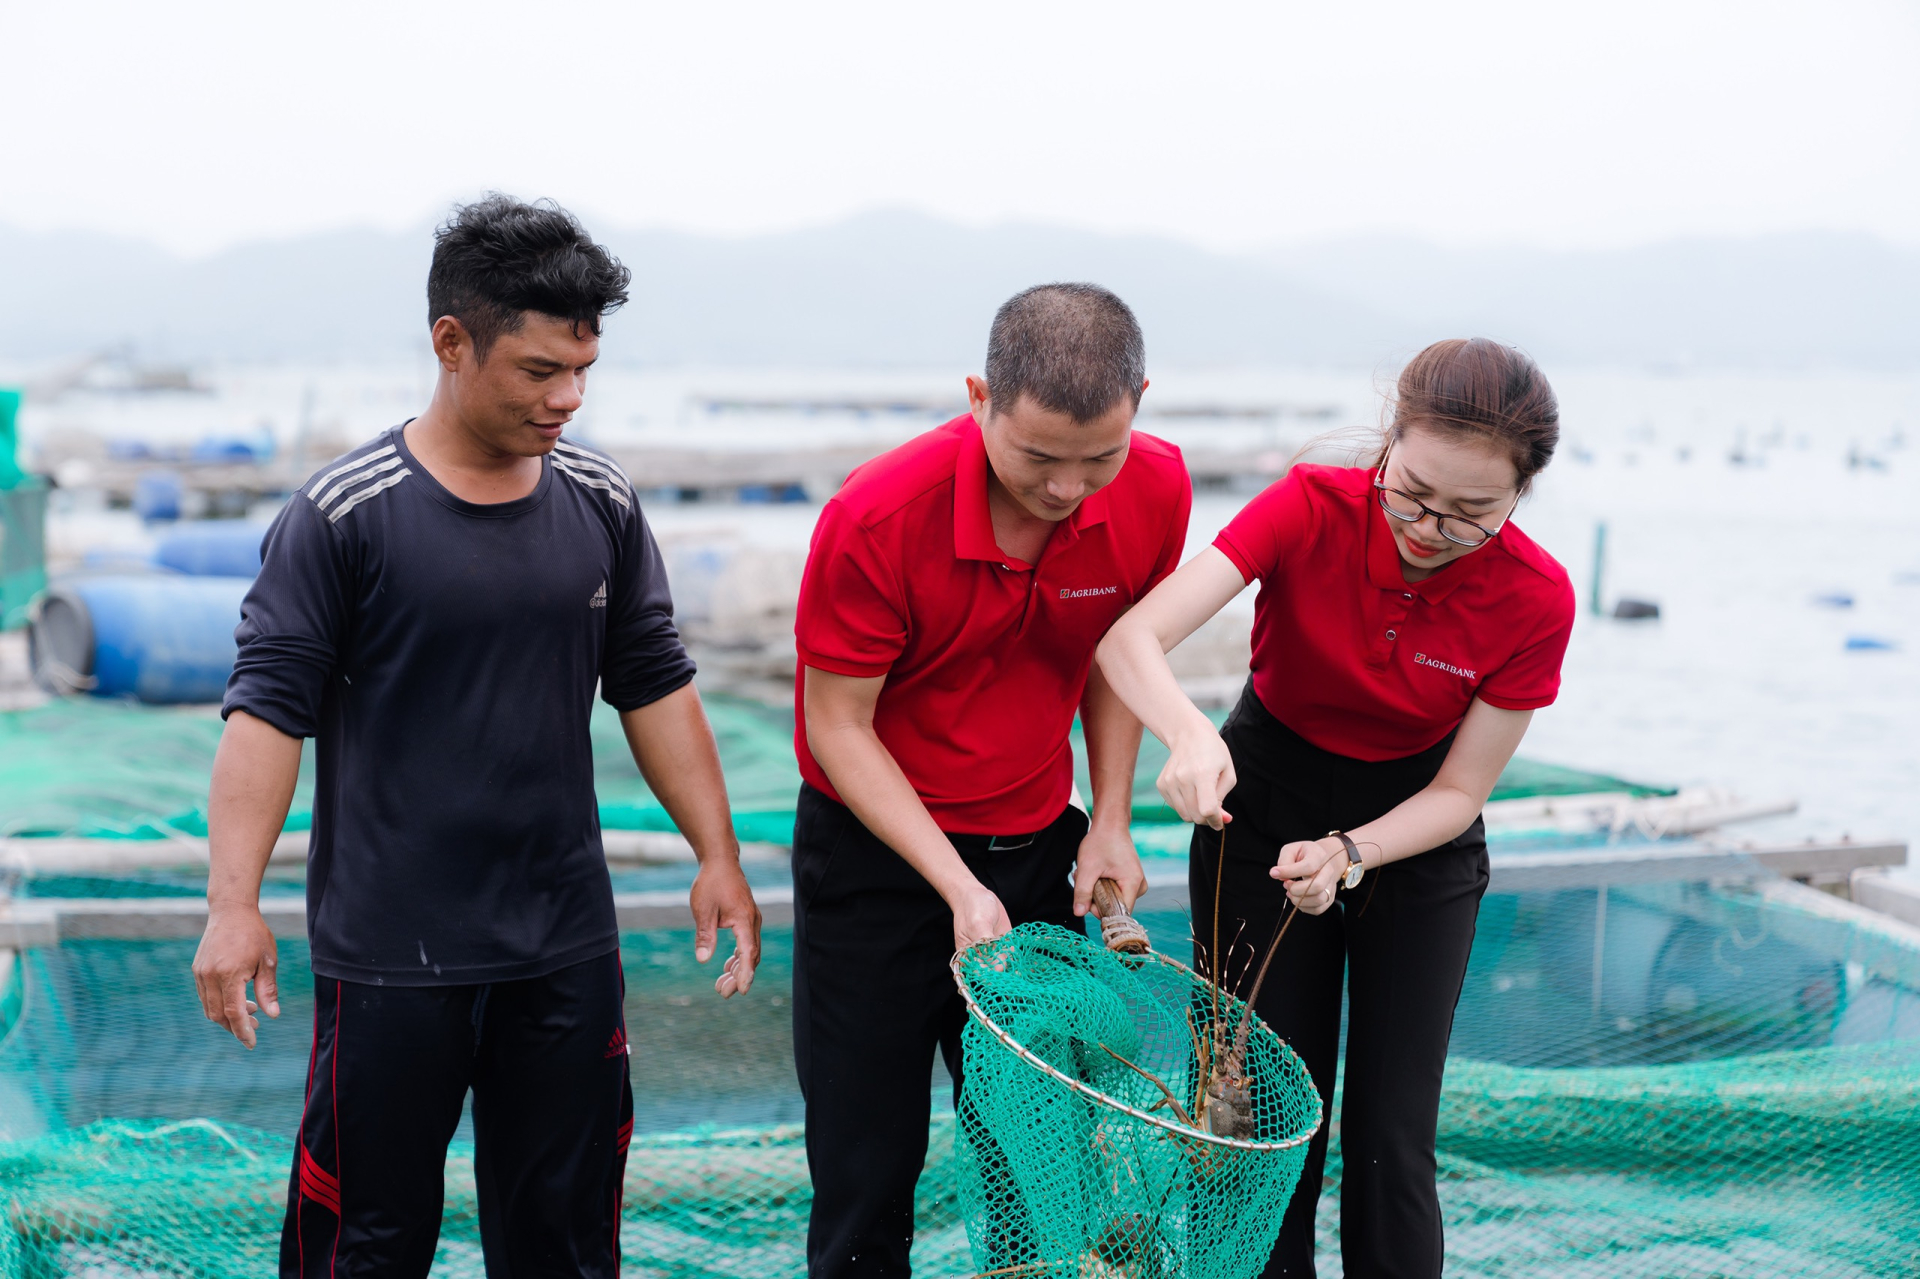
x=1354 y=869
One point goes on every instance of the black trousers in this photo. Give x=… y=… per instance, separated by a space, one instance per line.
x=1400 y=939
x=872 y=999
x=546 y=1059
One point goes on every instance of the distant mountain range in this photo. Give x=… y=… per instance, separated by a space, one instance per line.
x=898 y=289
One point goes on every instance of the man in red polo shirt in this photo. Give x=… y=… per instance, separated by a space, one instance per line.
x=955 y=592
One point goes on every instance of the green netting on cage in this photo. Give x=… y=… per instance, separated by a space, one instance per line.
x=1090 y=1133
x=93 y=768
x=1696 y=1080
x=199 y=1198
x=138 y=1140
x=116 y=770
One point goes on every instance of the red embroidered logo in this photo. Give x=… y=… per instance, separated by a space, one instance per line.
x=618 y=1046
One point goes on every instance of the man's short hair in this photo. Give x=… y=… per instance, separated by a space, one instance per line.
x=498 y=258
x=1072 y=348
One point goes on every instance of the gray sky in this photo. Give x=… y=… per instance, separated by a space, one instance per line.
x=1230 y=124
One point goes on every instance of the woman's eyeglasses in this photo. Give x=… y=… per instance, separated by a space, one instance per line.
x=1409 y=509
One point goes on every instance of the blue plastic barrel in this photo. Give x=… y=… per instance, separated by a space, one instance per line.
x=157 y=495
x=157 y=637
x=214 y=548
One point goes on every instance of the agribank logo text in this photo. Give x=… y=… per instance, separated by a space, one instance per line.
x=1069 y=593
x=1421 y=659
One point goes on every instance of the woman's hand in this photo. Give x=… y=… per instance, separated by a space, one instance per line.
x=1133 y=657
x=1447 y=806
x=1198 y=777
x=1313 y=869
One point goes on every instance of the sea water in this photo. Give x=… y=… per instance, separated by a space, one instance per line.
x=1746 y=505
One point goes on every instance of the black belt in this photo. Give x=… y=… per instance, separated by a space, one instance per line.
x=992 y=843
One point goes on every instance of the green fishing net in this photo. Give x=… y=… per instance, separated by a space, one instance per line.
x=136 y=1139
x=117 y=770
x=104 y=769
x=1645 y=1081
x=1086 y=1145
x=1702 y=1081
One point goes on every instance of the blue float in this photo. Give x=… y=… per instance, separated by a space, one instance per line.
x=1869 y=644
x=214 y=548
x=157 y=637
x=157 y=495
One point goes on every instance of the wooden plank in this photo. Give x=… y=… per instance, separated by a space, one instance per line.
x=1535 y=871
x=28 y=923
x=47 y=921
x=639 y=911
x=81 y=856
x=821 y=471
x=1896 y=898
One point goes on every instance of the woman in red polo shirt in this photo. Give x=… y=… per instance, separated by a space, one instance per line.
x=1404 y=634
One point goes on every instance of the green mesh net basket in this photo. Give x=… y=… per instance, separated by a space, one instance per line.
x=1085 y=1140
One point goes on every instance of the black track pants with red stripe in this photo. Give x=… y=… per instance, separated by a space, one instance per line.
x=546 y=1059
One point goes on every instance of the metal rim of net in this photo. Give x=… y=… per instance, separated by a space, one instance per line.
x=1087 y=1090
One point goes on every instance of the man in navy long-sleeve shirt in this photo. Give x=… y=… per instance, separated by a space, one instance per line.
x=436 y=609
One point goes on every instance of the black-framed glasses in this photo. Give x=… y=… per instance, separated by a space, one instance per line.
x=1409 y=509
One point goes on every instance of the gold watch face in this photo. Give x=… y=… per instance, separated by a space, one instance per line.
x=1352 y=878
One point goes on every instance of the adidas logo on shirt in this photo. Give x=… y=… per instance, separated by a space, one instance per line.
x=599 y=599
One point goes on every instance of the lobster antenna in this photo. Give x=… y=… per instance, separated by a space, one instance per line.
x=1246 y=1020
x=1213 y=956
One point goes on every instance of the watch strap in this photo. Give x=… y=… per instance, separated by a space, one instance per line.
x=1354 y=867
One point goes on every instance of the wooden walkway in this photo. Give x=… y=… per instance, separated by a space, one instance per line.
x=47 y=921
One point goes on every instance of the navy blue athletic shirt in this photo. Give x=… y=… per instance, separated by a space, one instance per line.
x=444 y=655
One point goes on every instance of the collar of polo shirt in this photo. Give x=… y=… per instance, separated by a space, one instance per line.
x=973 y=521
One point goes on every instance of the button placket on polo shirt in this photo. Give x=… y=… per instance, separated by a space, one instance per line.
x=1012 y=599
x=1064 y=537
x=1391 y=625
x=1026 y=603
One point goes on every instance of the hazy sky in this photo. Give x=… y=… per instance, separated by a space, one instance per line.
x=1233 y=124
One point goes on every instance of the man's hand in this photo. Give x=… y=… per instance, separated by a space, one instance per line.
x=254 y=771
x=237 y=948
x=1198 y=777
x=838 y=712
x=721 y=899
x=1107 y=854
x=977 y=916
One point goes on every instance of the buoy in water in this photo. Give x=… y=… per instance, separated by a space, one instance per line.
x=1834 y=599
x=1632 y=610
x=1869 y=644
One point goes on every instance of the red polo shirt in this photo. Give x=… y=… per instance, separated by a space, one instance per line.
x=986 y=657
x=1361 y=662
